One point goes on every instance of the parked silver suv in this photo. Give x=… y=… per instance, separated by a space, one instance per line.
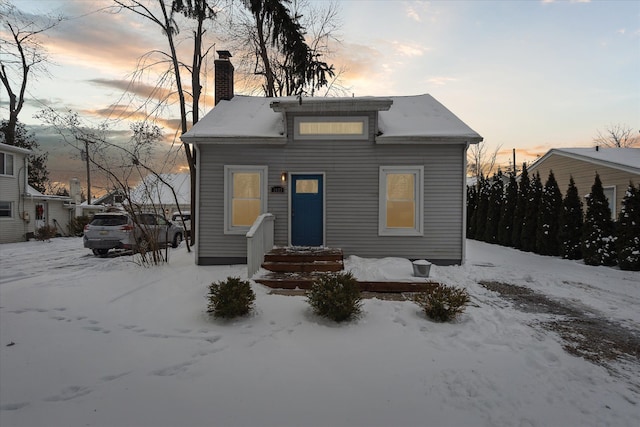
x=117 y=230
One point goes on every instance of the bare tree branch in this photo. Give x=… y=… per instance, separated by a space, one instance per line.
x=617 y=136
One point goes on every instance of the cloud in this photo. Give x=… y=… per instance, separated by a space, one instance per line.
x=441 y=80
x=411 y=50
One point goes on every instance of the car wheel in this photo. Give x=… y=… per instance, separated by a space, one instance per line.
x=100 y=252
x=177 y=239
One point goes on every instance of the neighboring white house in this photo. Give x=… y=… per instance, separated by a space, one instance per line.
x=162 y=192
x=22 y=208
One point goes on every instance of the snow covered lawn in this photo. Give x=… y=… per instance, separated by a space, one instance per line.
x=88 y=341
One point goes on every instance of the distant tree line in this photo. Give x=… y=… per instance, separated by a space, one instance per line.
x=534 y=218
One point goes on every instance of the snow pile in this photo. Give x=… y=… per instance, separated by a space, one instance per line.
x=105 y=342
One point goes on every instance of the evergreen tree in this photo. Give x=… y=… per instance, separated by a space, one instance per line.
x=530 y=223
x=38 y=173
x=521 y=205
x=548 y=227
x=496 y=193
x=472 y=204
x=480 y=220
x=598 y=240
x=571 y=221
x=505 y=227
x=628 y=230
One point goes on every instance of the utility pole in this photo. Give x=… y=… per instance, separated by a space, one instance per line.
x=87 y=160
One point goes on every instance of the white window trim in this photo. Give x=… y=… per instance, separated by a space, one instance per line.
x=10 y=210
x=418 y=230
x=363 y=136
x=4 y=166
x=229 y=170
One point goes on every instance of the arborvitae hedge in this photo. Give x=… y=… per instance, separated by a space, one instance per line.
x=571 y=221
x=548 y=221
x=472 y=204
x=598 y=240
x=530 y=223
x=628 y=230
x=521 y=206
x=480 y=221
x=505 y=227
x=496 y=193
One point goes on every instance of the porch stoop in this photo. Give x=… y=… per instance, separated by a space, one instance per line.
x=298 y=267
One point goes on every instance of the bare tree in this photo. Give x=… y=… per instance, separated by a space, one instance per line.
x=122 y=164
x=163 y=15
x=481 y=161
x=21 y=55
x=274 y=46
x=617 y=136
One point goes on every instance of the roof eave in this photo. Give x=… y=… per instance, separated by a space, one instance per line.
x=470 y=139
x=236 y=140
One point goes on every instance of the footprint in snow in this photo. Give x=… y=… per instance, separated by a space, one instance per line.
x=13 y=406
x=69 y=393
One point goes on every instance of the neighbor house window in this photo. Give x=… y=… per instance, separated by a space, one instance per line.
x=6 y=164
x=245 y=197
x=5 y=210
x=331 y=127
x=610 y=194
x=401 y=201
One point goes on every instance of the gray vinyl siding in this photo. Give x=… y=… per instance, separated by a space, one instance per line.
x=13 y=229
x=351 y=171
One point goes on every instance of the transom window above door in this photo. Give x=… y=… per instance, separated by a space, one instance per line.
x=334 y=127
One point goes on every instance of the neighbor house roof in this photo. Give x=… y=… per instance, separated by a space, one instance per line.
x=401 y=119
x=152 y=189
x=626 y=159
x=35 y=194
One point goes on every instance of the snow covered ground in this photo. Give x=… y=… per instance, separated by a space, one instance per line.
x=88 y=341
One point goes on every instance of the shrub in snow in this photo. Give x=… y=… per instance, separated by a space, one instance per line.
x=628 y=230
x=571 y=221
x=472 y=205
x=231 y=298
x=443 y=303
x=548 y=221
x=46 y=232
x=76 y=225
x=521 y=206
x=480 y=214
x=530 y=222
x=335 y=296
x=598 y=240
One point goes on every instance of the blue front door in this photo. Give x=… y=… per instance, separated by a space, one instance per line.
x=307 y=210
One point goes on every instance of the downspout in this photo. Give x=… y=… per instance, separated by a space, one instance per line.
x=464 y=206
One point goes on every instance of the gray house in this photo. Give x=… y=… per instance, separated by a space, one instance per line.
x=374 y=176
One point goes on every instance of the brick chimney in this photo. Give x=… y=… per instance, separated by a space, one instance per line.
x=223 y=76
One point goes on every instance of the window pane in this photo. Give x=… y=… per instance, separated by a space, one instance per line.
x=331 y=128
x=8 y=164
x=245 y=212
x=400 y=186
x=1 y=163
x=309 y=186
x=5 y=209
x=401 y=214
x=246 y=185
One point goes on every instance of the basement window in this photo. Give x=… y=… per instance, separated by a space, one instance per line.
x=337 y=127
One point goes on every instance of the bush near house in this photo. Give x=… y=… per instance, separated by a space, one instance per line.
x=46 y=232
x=443 y=303
x=628 y=230
x=231 y=298
x=336 y=296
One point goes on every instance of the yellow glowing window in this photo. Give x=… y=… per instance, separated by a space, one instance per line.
x=401 y=204
x=331 y=128
x=401 y=201
x=308 y=186
x=246 y=198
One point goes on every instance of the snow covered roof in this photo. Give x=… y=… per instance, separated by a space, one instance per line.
x=626 y=159
x=13 y=148
x=153 y=189
x=32 y=192
x=402 y=119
